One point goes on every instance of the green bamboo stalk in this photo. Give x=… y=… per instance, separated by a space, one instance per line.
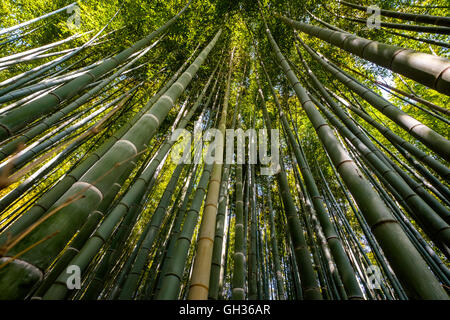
x=56 y=62
x=10 y=147
x=343 y=264
x=78 y=242
x=429 y=41
x=41 y=49
x=16 y=120
x=415 y=237
x=252 y=258
x=75 y=143
x=87 y=253
x=214 y=281
x=176 y=230
x=416 y=276
x=326 y=24
x=422 y=18
x=171 y=282
x=397 y=141
x=112 y=255
x=45 y=84
x=407 y=62
x=238 y=282
x=302 y=254
x=403 y=93
x=384 y=166
x=201 y=270
x=430 y=138
x=48 y=199
x=402 y=26
x=370 y=238
x=26 y=23
x=48 y=142
x=306 y=207
x=132 y=279
x=184 y=207
x=131 y=282
x=274 y=244
x=127 y=148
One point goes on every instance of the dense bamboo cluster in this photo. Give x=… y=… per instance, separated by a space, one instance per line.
x=96 y=204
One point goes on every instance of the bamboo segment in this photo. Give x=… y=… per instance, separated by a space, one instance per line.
x=343 y=264
x=429 y=70
x=415 y=275
x=17 y=119
x=216 y=266
x=132 y=279
x=363 y=144
x=275 y=251
x=9 y=148
x=24 y=24
x=430 y=138
x=131 y=282
x=96 y=182
x=300 y=248
x=171 y=283
x=403 y=26
x=199 y=286
x=48 y=199
x=238 y=282
x=440 y=229
x=423 y=18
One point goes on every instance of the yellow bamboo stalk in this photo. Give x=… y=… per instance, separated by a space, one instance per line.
x=199 y=287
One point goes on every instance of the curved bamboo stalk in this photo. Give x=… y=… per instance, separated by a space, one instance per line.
x=403 y=26
x=428 y=41
x=51 y=120
x=435 y=73
x=15 y=120
x=418 y=279
x=199 y=286
x=26 y=23
x=214 y=282
x=430 y=138
x=97 y=181
x=343 y=264
x=302 y=254
x=423 y=18
x=57 y=62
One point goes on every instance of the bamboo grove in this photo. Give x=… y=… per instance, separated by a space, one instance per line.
x=95 y=207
